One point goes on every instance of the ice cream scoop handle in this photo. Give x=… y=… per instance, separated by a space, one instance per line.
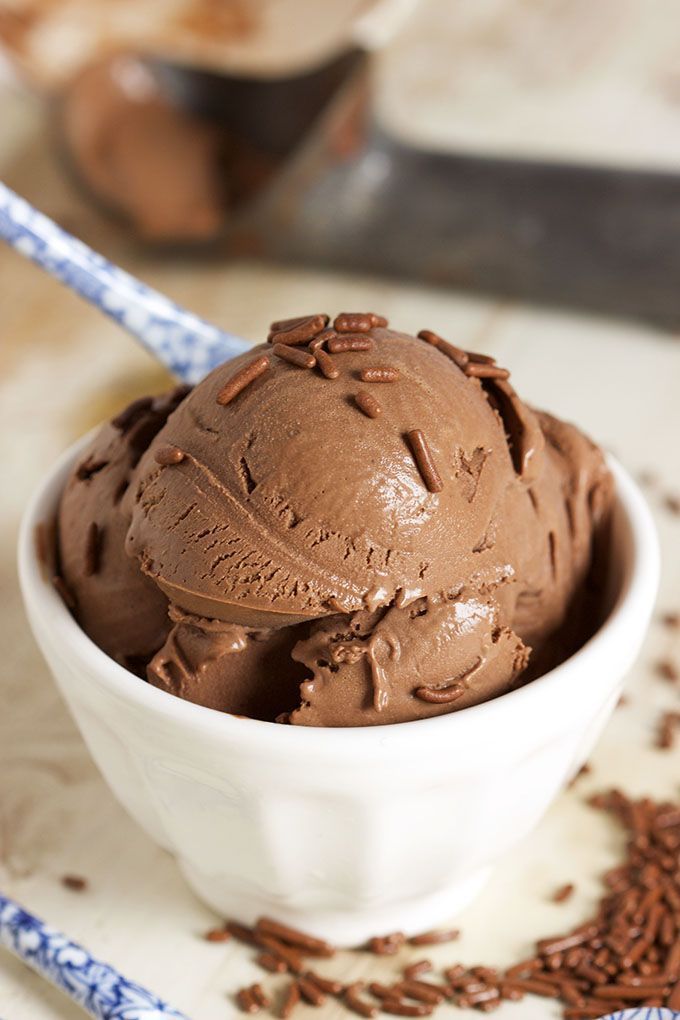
x=95 y=986
x=187 y=345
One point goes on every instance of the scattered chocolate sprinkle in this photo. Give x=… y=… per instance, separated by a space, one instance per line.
x=311 y=993
x=668 y=724
x=62 y=589
x=291 y=1000
x=132 y=413
x=383 y=991
x=246 y=1002
x=424 y=461
x=483 y=371
x=312 y=946
x=217 y=935
x=671 y=620
x=340 y=344
x=354 y=322
x=623 y=700
x=456 y=354
x=524 y=967
x=367 y=403
x=386 y=945
x=93 y=540
x=564 y=893
x=378 y=321
x=356 y=1004
x=435 y=938
x=397 y=1008
x=327 y=985
x=302 y=359
x=534 y=986
x=244 y=377
x=167 y=455
x=379 y=374
x=414 y=970
x=260 y=996
x=668 y=670
x=76 y=883
x=326 y=364
x=296 y=332
x=291 y=957
x=241 y=933
x=271 y=963
x=422 y=991
x=672 y=504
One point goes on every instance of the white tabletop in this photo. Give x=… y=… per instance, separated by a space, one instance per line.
x=62 y=369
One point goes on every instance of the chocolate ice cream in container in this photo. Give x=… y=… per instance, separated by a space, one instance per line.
x=138 y=103
x=354 y=549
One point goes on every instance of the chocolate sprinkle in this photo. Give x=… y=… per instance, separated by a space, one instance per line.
x=296 y=332
x=564 y=893
x=167 y=455
x=327 y=985
x=414 y=970
x=386 y=945
x=291 y=1000
x=244 y=377
x=246 y=1001
x=75 y=883
x=353 y=322
x=440 y=696
x=311 y=993
x=483 y=371
x=293 y=937
x=456 y=354
x=93 y=541
x=340 y=344
x=271 y=963
x=217 y=935
x=367 y=403
x=397 y=1008
x=435 y=938
x=357 y=1005
x=301 y=359
x=326 y=364
x=424 y=462
x=379 y=374
x=668 y=725
x=480 y=359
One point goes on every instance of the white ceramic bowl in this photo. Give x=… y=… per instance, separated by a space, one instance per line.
x=344 y=832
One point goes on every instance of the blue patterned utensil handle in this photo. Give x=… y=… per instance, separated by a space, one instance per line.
x=643 y=1013
x=98 y=988
x=184 y=343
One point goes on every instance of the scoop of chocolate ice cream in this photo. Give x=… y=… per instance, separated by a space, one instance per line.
x=123 y=612
x=291 y=502
x=356 y=526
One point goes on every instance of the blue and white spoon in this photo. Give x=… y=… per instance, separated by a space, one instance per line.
x=95 y=986
x=187 y=345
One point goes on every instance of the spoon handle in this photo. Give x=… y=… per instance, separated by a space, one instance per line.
x=187 y=345
x=95 y=986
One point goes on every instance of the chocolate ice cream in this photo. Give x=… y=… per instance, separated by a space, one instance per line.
x=352 y=526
